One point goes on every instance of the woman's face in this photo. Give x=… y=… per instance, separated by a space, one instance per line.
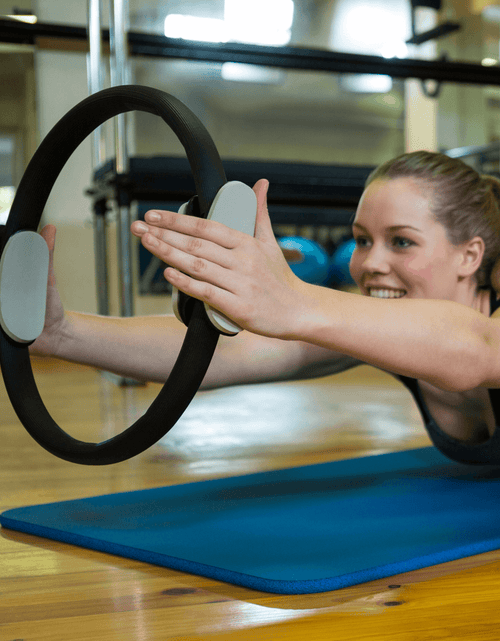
x=400 y=248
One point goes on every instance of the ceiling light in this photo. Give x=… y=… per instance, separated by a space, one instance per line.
x=237 y=72
x=28 y=18
x=260 y=22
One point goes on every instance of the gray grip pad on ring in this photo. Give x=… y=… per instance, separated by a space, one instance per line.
x=24 y=270
x=235 y=206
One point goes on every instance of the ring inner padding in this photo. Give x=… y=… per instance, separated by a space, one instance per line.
x=24 y=270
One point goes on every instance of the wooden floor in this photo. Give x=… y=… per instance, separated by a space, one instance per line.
x=57 y=592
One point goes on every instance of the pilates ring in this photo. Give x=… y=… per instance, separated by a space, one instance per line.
x=24 y=264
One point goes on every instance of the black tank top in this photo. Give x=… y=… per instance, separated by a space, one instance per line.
x=485 y=453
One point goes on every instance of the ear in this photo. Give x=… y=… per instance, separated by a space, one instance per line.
x=472 y=256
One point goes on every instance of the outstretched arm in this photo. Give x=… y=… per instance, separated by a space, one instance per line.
x=146 y=348
x=248 y=279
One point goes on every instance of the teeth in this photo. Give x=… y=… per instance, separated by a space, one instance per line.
x=387 y=293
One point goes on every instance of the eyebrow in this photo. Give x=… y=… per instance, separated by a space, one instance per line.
x=393 y=228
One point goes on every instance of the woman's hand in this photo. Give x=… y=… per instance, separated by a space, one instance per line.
x=46 y=344
x=246 y=278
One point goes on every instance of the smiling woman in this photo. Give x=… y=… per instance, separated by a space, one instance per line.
x=463 y=202
x=438 y=339
x=433 y=253
x=393 y=254
x=248 y=280
x=451 y=255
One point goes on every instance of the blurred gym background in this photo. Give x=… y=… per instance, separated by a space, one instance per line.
x=315 y=134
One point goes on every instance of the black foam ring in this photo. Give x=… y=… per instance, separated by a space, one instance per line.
x=201 y=337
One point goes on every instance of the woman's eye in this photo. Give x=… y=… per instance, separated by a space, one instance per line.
x=397 y=240
x=404 y=240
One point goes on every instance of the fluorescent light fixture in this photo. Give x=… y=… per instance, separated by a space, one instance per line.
x=372 y=27
x=395 y=49
x=28 y=18
x=259 y=22
x=194 y=28
x=262 y=22
x=366 y=83
x=237 y=72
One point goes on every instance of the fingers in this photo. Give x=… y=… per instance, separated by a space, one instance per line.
x=192 y=226
x=261 y=187
x=263 y=226
x=209 y=230
x=200 y=259
x=207 y=292
x=163 y=243
x=199 y=267
x=205 y=250
x=48 y=233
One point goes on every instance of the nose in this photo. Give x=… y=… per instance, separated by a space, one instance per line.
x=376 y=260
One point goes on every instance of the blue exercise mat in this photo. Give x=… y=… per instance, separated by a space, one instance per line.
x=301 y=530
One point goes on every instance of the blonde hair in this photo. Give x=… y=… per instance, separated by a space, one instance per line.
x=465 y=202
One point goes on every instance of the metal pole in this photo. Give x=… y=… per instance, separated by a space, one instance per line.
x=95 y=75
x=119 y=76
x=98 y=145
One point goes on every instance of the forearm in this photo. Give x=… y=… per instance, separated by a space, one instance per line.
x=145 y=348
x=439 y=341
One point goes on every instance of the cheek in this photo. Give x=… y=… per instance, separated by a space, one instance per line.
x=424 y=268
x=355 y=267
x=416 y=268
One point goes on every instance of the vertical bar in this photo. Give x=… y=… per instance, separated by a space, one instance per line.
x=95 y=75
x=119 y=76
x=95 y=83
x=101 y=254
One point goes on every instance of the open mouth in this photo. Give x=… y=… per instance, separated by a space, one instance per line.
x=386 y=293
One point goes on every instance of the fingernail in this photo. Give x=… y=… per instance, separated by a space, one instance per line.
x=153 y=216
x=141 y=227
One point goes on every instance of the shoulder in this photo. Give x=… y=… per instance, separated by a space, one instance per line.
x=493 y=341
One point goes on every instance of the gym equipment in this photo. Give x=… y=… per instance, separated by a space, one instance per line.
x=24 y=261
x=312 y=267
x=338 y=269
x=295 y=531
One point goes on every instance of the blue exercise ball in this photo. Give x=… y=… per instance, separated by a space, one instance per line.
x=338 y=271
x=313 y=262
